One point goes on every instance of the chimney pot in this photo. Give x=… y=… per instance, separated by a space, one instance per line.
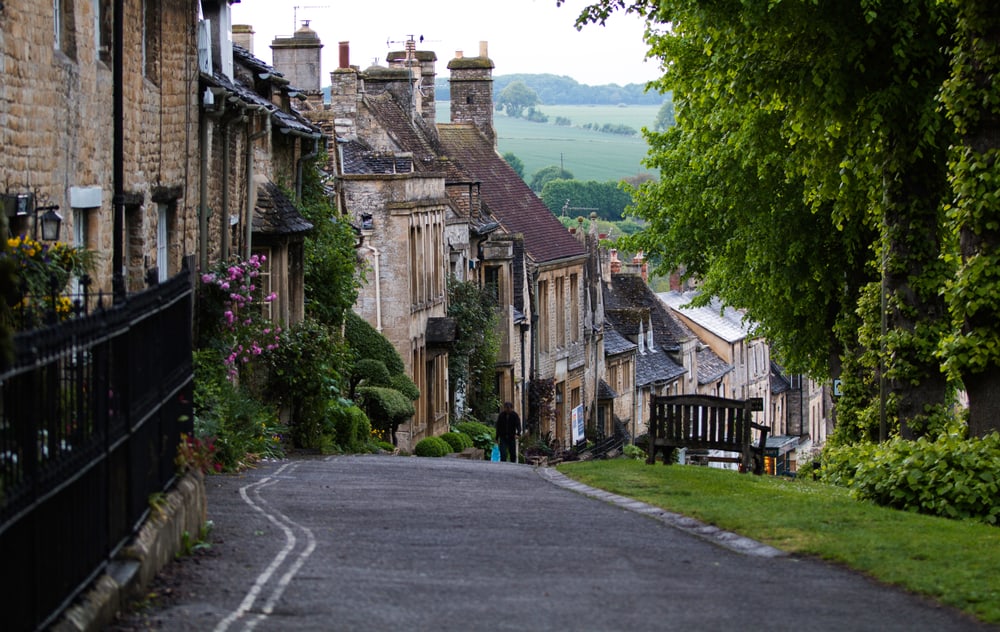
x=484 y=49
x=345 y=55
x=458 y=54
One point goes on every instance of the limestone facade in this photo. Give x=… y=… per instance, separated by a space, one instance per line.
x=56 y=127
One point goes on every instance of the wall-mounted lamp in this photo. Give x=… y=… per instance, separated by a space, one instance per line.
x=367 y=223
x=50 y=220
x=23 y=205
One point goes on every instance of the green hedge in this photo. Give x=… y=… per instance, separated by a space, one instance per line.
x=457 y=440
x=951 y=476
x=432 y=446
x=483 y=436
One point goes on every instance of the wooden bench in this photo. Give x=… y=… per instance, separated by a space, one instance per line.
x=703 y=422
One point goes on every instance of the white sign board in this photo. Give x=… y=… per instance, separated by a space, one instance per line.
x=577 y=421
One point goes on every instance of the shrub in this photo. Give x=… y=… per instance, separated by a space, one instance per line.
x=372 y=372
x=634 y=452
x=951 y=476
x=304 y=378
x=457 y=440
x=241 y=429
x=432 y=446
x=352 y=428
x=386 y=408
x=369 y=343
x=402 y=383
x=482 y=436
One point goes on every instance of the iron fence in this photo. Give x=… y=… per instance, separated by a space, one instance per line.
x=91 y=413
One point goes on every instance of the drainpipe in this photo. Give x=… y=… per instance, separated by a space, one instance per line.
x=118 y=154
x=203 y=197
x=299 y=166
x=251 y=189
x=378 y=289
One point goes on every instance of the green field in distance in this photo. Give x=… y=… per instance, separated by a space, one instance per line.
x=587 y=154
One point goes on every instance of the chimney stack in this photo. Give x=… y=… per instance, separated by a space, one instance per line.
x=243 y=36
x=345 y=55
x=472 y=91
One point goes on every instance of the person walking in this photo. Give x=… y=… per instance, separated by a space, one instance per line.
x=508 y=429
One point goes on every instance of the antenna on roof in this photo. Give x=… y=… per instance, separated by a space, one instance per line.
x=295 y=14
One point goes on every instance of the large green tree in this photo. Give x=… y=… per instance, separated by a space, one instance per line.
x=807 y=169
x=516 y=97
x=972 y=99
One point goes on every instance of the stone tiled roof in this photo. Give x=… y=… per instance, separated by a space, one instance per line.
x=779 y=383
x=725 y=322
x=275 y=214
x=627 y=292
x=710 y=366
x=506 y=196
x=256 y=65
x=293 y=122
x=411 y=136
x=360 y=159
x=615 y=343
x=604 y=390
x=656 y=367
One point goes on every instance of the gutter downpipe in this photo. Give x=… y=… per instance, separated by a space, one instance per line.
x=251 y=189
x=203 y=195
x=299 y=167
x=118 y=155
x=378 y=288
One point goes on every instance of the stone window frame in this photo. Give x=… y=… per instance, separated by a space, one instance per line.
x=64 y=27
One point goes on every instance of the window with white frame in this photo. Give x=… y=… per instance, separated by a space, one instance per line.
x=64 y=31
x=163 y=241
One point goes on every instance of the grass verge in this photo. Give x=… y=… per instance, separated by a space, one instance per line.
x=954 y=562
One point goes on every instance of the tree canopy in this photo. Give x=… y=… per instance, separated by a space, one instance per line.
x=516 y=98
x=807 y=181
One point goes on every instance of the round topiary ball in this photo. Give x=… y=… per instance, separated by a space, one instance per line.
x=432 y=446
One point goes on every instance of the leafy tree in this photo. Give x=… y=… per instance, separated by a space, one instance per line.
x=806 y=165
x=515 y=163
x=665 y=117
x=545 y=174
x=515 y=98
x=472 y=361
x=332 y=274
x=972 y=98
x=607 y=198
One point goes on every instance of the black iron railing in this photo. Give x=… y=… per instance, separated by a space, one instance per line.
x=91 y=412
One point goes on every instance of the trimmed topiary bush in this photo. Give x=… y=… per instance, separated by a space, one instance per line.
x=457 y=440
x=432 y=446
x=353 y=430
x=483 y=436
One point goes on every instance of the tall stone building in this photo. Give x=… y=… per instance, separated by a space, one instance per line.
x=64 y=77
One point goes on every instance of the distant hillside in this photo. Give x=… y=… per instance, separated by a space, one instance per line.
x=556 y=90
x=561 y=90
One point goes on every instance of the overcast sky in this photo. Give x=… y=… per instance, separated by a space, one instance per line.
x=525 y=36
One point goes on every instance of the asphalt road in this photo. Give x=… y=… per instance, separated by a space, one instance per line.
x=397 y=543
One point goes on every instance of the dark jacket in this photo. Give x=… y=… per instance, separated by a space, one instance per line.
x=508 y=425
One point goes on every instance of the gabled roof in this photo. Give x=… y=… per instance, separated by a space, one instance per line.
x=779 y=383
x=615 y=343
x=604 y=390
x=710 y=366
x=723 y=321
x=275 y=214
x=628 y=292
x=656 y=367
x=360 y=159
x=412 y=137
x=505 y=195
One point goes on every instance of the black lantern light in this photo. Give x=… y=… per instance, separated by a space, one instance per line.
x=50 y=221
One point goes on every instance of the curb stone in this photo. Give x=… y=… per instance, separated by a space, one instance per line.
x=715 y=535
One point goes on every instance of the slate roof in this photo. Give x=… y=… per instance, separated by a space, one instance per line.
x=710 y=366
x=779 y=383
x=506 y=197
x=604 y=390
x=410 y=136
x=723 y=321
x=627 y=292
x=275 y=214
x=360 y=159
x=656 y=367
x=258 y=66
x=615 y=343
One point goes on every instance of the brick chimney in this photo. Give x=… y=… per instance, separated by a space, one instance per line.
x=615 y=263
x=346 y=87
x=472 y=91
